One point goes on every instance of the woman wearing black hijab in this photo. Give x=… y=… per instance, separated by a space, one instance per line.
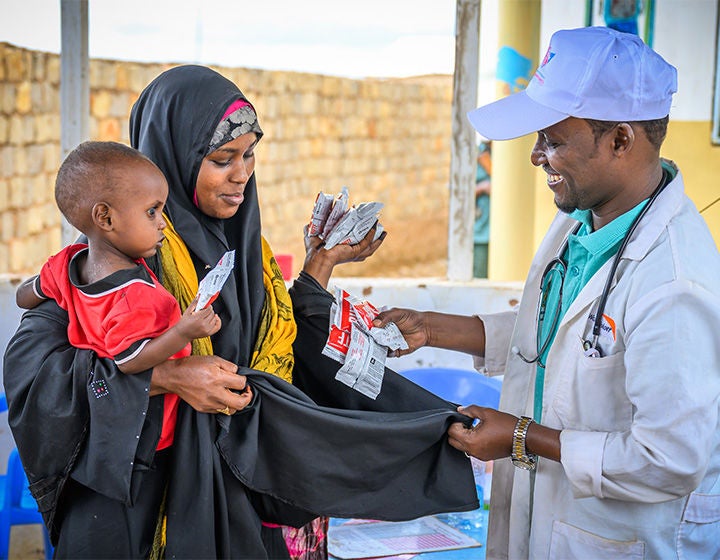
x=213 y=208
x=102 y=487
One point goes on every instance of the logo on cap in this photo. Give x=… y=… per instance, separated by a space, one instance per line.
x=548 y=57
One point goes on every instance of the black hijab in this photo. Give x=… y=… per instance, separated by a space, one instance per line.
x=172 y=123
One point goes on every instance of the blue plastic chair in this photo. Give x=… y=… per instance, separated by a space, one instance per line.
x=18 y=505
x=457 y=385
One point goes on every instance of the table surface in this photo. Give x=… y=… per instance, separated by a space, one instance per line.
x=473 y=524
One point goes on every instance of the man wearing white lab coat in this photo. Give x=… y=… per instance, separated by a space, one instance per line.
x=607 y=438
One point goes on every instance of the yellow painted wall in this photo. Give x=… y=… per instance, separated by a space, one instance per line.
x=688 y=144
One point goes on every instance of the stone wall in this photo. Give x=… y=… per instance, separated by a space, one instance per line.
x=386 y=140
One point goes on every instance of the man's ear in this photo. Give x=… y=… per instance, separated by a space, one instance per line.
x=102 y=216
x=624 y=138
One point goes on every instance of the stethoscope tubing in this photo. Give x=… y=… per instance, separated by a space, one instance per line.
x=590 y=346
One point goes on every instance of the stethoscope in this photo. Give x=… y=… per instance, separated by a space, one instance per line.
x=590 y=345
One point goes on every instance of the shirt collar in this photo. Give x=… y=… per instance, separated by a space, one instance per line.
x=607 y=236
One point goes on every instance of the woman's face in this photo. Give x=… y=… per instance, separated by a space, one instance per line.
x=223 y=175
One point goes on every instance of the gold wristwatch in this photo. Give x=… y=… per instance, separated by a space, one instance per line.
x=520 y=457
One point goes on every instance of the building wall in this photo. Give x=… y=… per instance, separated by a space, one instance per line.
x=386 y=140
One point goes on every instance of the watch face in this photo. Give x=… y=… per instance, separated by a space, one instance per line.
x=523 y=463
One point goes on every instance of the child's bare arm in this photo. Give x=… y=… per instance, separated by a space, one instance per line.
x=193 y=324
x=25 y=295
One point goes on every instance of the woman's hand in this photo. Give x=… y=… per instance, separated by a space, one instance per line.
x=207 y=383
x=320 y=262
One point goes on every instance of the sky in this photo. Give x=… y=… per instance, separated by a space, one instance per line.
x=351 y=38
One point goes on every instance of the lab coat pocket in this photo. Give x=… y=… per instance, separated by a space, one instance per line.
x=699 y=532
x=594 y=397
x=568 y=542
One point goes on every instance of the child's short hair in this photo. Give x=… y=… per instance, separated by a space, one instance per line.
x=90 y=174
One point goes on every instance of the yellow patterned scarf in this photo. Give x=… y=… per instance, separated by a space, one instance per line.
x=273 y=351
x=276 y=333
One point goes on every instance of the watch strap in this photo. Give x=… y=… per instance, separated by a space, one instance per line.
x=520 y=457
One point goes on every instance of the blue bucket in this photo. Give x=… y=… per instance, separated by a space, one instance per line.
x=458 y=386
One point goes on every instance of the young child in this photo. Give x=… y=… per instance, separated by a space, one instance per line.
x=116 y=306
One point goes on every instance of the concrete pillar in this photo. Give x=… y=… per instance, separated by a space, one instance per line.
x=512 y=202
x=74 y=85
x=463 y=158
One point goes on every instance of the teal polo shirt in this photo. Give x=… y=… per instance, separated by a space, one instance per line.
x=586 y=252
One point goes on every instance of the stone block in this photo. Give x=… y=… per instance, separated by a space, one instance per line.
x=7 y=169
x=136 y=77
x=40 y=97
x=309 y=103
x=34 y=155
x=102 y=74
x=350 y=88
x=20 y=160
x=39 y=66
x=94 y=127
x=108 y=130
x=122 y=76
x=120 y=105
x=296 y=127
x=267 y=174
x=100 y=103
x=4 y=257
x=21 y=130
x=20 y=255
x=52 y=158
x=17 y=65
x=4 y=196
x=53 y=69
x=21 y=225
x=330 y=86
x=41 y=191
x=46 y=127
x=7 y=98
x=32 y=219
x=7 y=226
x=20 y=193
x=52 y=218
x=54 y=240
x=273 y=129
x=23 y=99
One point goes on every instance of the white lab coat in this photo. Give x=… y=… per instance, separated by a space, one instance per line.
x=640 y=441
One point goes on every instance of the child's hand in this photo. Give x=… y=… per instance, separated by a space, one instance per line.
x=197 y=324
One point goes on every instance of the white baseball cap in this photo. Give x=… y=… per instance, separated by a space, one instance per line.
x=591 y=73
